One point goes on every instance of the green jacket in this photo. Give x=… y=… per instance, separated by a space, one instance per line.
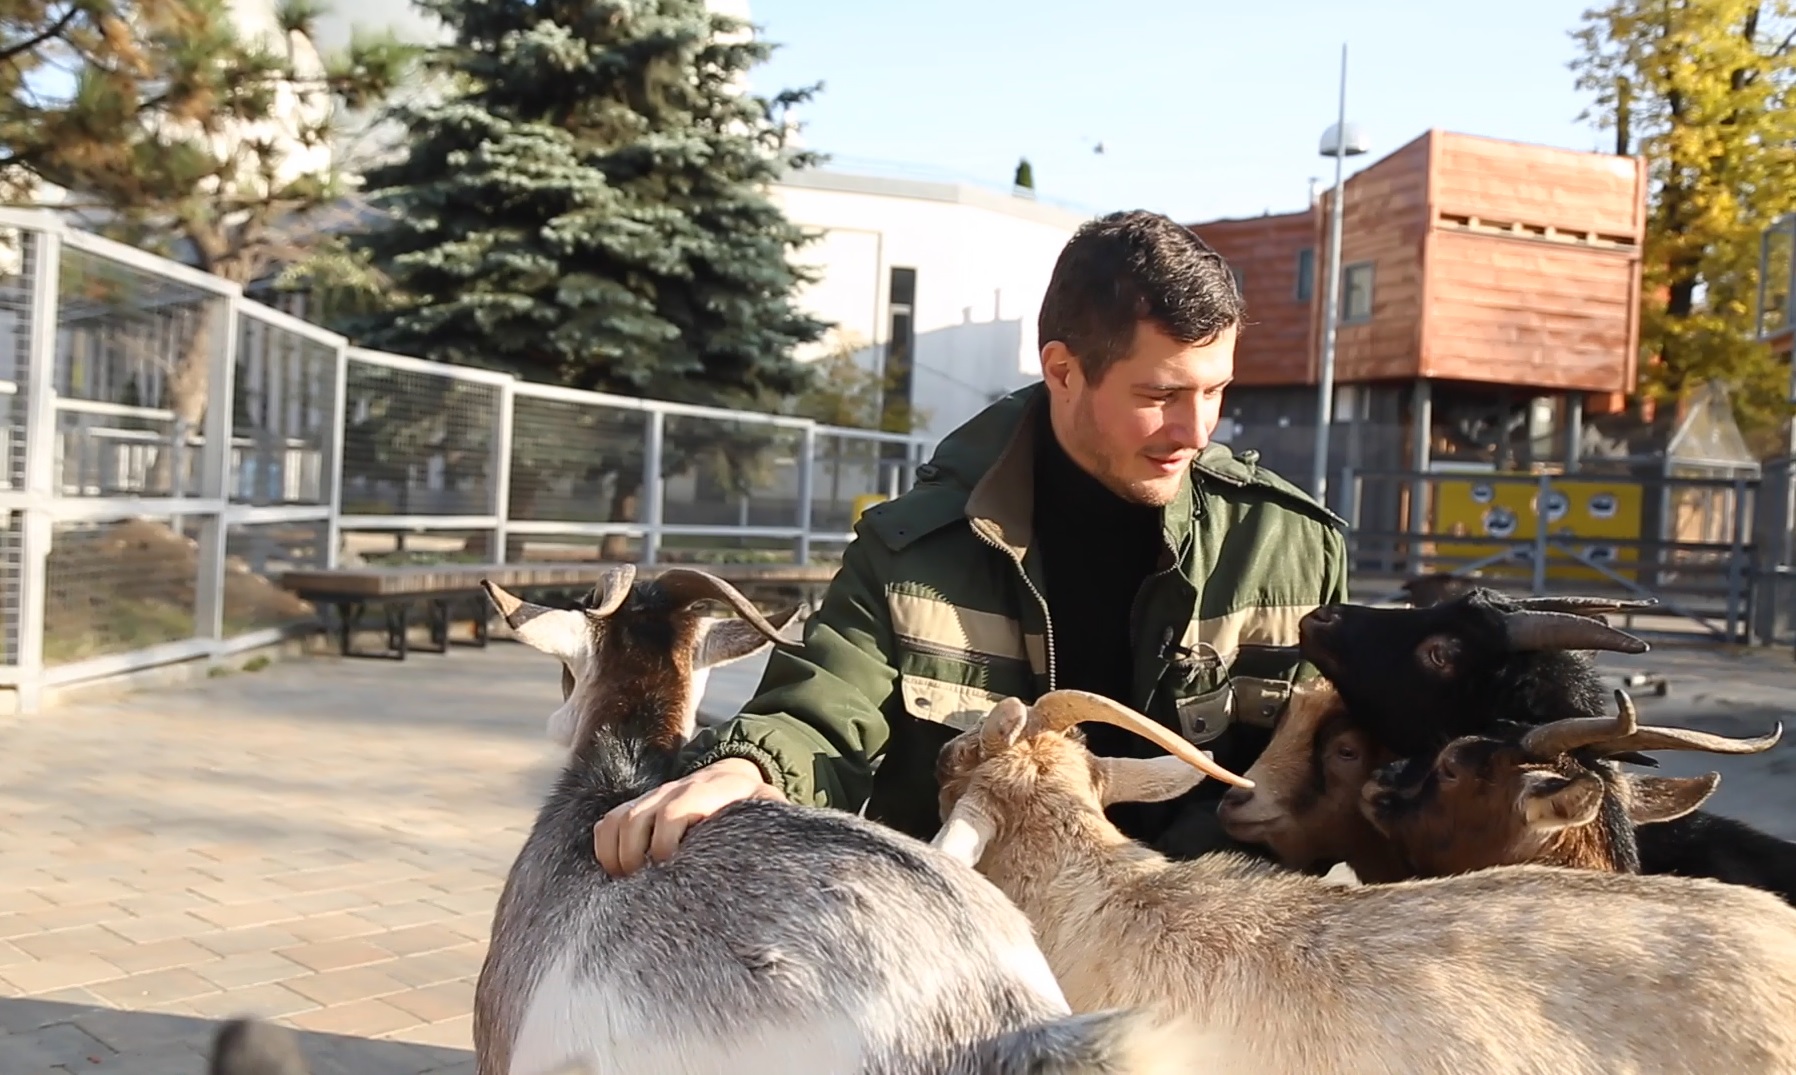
x=937 y=613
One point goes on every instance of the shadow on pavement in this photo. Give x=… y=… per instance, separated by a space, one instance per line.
x=40 y=1037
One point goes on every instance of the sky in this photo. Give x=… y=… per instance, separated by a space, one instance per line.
x=1204 y=109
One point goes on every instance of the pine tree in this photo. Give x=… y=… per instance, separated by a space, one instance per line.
x=590 y=208
x=1702 y=89
x=1025 y=175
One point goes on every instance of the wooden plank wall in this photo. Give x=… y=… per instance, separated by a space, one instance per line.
x=1533 y=265
x=1274 y=347
x=1386 y=223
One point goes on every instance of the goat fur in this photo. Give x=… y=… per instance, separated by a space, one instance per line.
x=1520 y=968
x=777 y=937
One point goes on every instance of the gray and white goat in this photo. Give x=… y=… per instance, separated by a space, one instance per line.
x=778 y=937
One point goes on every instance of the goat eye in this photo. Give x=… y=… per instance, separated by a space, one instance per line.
x=1347 y=752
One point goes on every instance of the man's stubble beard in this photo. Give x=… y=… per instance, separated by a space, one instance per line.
x=1088 y=452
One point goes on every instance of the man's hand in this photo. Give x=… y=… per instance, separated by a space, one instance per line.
x=653 y=824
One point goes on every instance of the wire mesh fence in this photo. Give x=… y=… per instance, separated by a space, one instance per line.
x=169 y=448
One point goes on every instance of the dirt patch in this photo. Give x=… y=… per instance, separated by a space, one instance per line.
x=121 y=586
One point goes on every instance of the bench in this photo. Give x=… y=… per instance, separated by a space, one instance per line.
x=353 y=591
x=396 y=589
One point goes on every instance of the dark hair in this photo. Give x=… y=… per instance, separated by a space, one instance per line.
x=1125 y=268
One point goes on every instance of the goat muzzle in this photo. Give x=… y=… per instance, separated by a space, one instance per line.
x=1059 y=710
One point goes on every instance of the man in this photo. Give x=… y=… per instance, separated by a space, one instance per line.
x=1081 y=532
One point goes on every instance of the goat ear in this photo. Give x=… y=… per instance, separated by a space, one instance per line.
x=560 y=632
x=1144 y=780
x=1667 y=798
x=1551 y=802
x=965 y=833
x=721 y=641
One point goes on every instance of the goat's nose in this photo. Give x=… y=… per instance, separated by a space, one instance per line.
x=1236 y=798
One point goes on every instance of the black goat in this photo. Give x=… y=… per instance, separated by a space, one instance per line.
x=1416 y=678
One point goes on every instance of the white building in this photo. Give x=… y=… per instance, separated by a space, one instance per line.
x=950 y=273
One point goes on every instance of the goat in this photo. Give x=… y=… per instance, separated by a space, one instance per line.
x=1549 y=796
x=1518 y=968
x=1416 y=678
x=777 y=936
x=247 y=1046
x=1432 y=589
x=1304 y=803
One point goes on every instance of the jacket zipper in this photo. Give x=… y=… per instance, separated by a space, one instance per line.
x=1047 y=620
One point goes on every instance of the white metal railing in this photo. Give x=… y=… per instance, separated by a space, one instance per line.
x=134 y=537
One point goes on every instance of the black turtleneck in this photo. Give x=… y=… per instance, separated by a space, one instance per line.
x=1096 y=550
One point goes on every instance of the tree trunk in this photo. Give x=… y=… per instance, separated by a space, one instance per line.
x=625 y=505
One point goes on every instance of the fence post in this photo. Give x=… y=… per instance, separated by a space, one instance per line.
x=333 y=553
x=1541 y=492
x=37 y=531
x=501 y=484
x=807 y=465
x=215 y=473
x=652 y=487
x=1736 y=557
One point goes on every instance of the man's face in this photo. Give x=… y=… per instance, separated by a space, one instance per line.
x=1137 y=429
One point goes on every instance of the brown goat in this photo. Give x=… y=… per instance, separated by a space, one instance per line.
x=1521 y=968
x=1304 y=805
x=1549 y=797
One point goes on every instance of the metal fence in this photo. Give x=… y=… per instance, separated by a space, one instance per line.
x=143 y=521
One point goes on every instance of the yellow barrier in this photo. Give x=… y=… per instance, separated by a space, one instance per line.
x=863 y=502
x=1591 y=512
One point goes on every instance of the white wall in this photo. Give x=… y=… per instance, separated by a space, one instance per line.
x=982 y=260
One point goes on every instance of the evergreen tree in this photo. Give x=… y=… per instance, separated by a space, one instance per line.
x=1702 y=90
x=588 y=207
x=1025 y=175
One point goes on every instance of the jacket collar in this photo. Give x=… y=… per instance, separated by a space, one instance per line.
x=1002 y=501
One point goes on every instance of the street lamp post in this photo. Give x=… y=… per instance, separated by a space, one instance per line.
x=1340 y=142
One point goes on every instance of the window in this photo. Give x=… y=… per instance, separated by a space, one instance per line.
x=1356 y=293
x=1306 y=273
x=900 y=330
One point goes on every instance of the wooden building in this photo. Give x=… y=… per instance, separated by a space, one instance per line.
x=1491 y=287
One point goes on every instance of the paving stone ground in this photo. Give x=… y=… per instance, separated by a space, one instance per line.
x=320 y=842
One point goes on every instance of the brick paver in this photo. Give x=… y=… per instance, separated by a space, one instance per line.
x=320 y=842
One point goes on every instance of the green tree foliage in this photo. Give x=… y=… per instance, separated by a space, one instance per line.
x=176 y=132
x=846 y=392
x=1702 y=90
x=589 y=207
x=1025 y=175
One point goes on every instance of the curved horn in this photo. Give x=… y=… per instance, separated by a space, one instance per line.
x=686 y=585
x=1059 y=710
x=1530 y=629
x=1584 y=606
x=1651 y=738
x=1558 y=737
x=608 y=596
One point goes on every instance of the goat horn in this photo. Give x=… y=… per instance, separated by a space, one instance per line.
x=686 y=585
x=1059 y=710
x=1558 y=737
x=1651 y=738
x=608 y=595
x=1582 y=604
x=1532 y=629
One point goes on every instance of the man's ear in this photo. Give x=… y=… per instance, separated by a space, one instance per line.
x=1057 y=366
